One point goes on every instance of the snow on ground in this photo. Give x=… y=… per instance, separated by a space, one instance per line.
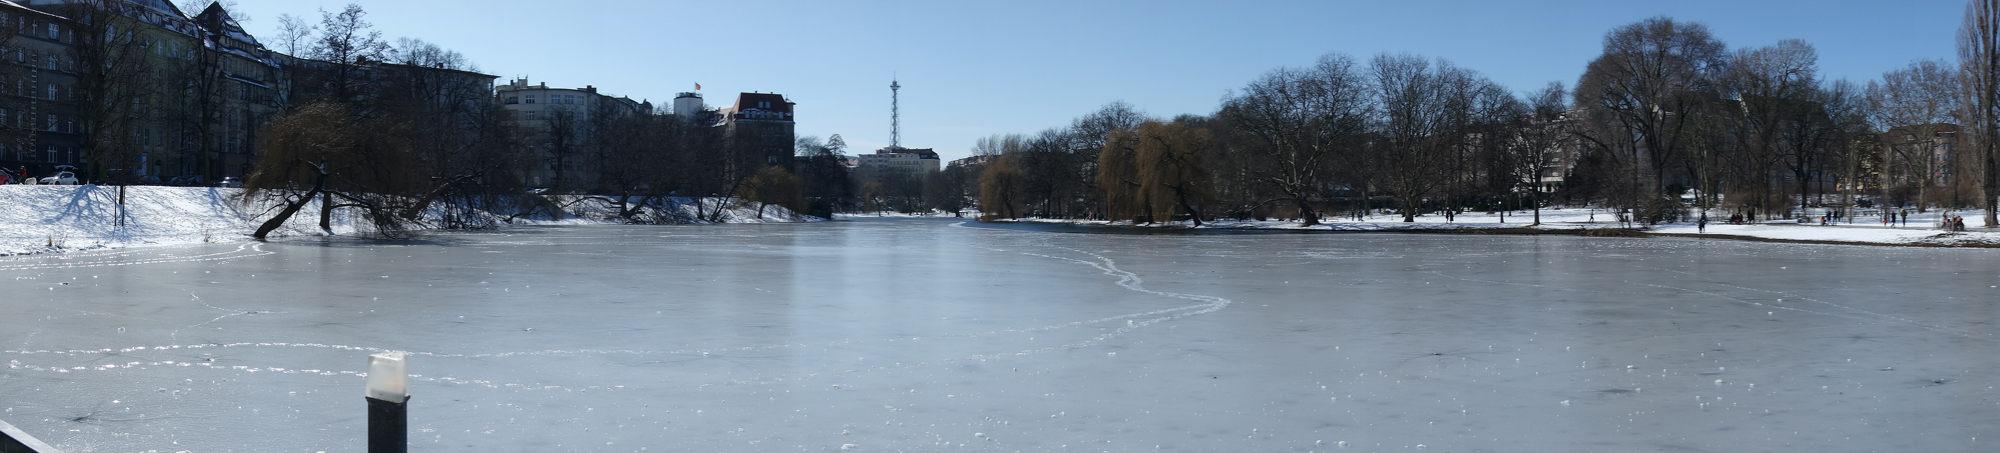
x=1925 y=232
x=42 y=219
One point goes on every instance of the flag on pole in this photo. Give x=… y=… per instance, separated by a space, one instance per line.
x=697 y=86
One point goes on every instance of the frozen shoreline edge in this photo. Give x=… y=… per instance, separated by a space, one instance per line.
x=1972 y=239
x=55 y=220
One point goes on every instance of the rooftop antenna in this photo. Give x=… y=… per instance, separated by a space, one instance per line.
x=895 y=116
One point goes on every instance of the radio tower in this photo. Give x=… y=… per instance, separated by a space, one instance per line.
x=895 y=117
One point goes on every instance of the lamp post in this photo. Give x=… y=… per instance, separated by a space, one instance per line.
x=388 y=398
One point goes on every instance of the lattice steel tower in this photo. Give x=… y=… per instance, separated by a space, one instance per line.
x=895 y=117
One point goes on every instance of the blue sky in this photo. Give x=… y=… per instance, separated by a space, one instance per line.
x=971 y=69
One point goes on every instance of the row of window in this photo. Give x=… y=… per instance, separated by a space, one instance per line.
x=553 y=99
x=48 y=30
x=53 y=92
x=52 y=123
x=54 y=155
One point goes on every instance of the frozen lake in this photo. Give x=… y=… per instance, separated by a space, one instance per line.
x=917 y=335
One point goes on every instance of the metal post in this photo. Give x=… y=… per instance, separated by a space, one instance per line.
x=388 y=427
x=388 y=402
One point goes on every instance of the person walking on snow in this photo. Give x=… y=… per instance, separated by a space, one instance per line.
x=1701 y=226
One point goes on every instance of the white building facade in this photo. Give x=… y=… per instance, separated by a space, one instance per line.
x=562 y=119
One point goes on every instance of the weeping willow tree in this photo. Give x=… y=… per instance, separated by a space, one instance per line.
x=321 y=152
x=775 y=186
x=1150 y=171
x=1000 y=187
x=1118 y=178
x=1172 y=171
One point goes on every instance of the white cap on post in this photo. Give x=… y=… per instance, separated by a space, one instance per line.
x=389 y=377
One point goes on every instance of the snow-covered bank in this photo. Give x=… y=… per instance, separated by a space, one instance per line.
x=1584 y=219
x=40 y=219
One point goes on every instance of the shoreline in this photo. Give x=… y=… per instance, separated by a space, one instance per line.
x=1773 y=232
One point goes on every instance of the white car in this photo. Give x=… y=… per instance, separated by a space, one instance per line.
x=62 y=178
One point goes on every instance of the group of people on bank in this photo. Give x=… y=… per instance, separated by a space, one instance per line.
x=1901 y=217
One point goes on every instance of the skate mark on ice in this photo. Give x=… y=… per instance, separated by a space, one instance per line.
x=241 y=251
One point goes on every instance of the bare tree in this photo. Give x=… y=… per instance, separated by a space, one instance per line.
x=17 y=131
x=1639 y=93
x=1544 y=141
x=1422 y=120
x=109 y=52
x=1850 y=138
x=828 y=185
x=1778 y=88
x=345 y=43
x=294 y=33
x=1914 y=106
x=1297 y=122
x=562 y=131
x=1979 y=59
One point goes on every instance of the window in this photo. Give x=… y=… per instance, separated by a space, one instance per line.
x=763 y=104
x=513 y=99
x=52 y=124
x=53 y=34
x=531 y=99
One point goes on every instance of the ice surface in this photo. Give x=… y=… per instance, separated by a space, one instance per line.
x=918 y=335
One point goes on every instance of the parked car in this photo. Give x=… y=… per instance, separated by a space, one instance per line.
x=62 y=178
x=229 y=181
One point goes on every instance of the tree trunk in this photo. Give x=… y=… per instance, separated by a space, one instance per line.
x=1193 y=214
x=1306 y=215
x=291 y=208
x=1535 y=201
x=326 y=212
x=424 y=203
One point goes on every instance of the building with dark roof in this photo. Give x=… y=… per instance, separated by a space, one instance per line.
x=762 y=125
